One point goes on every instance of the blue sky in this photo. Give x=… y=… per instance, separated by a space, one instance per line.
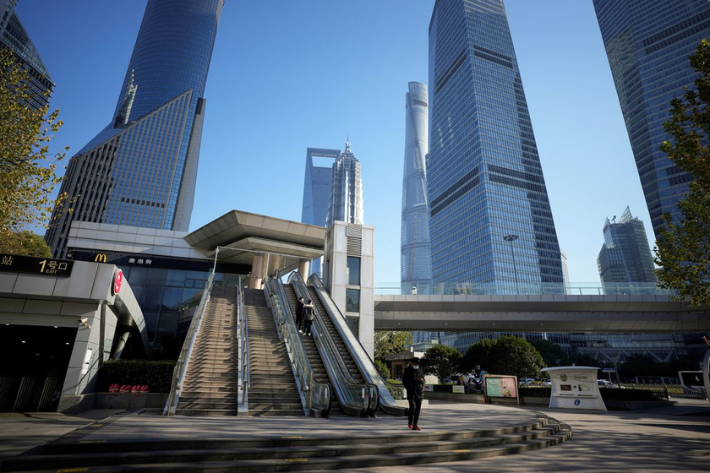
x=288 y=75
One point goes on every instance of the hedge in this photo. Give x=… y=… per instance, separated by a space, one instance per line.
x=156 y=374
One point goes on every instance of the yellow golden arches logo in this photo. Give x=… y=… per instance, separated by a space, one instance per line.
x=100 y=258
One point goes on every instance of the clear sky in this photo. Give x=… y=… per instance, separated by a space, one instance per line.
x=288 y=75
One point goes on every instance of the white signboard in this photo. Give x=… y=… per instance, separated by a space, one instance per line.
x=575 y=387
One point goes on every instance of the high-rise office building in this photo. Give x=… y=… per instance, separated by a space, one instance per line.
x=13 y=36
x=416 y=247
x=317 y=185
x=648 y=43
x=625 y=256
x=141 y=169
x=345 y=204
x=484 y=178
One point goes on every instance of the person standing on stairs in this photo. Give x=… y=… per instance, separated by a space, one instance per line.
x=413 y=381
x=299 y=312
x=308 y=316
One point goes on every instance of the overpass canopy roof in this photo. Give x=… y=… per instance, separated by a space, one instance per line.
x=244 y=233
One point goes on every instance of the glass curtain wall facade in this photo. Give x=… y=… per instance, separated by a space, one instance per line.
x=625 y=256
x=648 y=43
x=345 y=204
x=484 y=178
x=13 y=36
x=415 y=246
x=146 y=158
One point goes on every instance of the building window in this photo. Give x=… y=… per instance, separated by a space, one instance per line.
x=353 y=271
x=352 y=300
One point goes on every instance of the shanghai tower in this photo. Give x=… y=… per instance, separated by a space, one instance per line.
x=491 y=223
x=416 y=250
x=141 y=169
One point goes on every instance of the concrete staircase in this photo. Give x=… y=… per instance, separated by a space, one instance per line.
x=309 y=345
x=211 y=385
x=272 y=390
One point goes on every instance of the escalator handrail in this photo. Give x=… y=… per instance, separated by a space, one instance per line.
x=326 y=346
x=361 y=357
x=288 y=332
x=243 y=336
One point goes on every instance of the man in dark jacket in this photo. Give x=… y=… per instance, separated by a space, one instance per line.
x=413 y=380
x=299 y=312
x=308 y=316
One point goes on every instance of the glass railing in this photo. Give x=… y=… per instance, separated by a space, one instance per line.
x=356 y=398
x=525 y=289
x=315 y=396
x=362 y=359
x=183 y=361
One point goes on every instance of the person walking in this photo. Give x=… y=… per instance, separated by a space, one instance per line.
x=413 y=381
x=308 y=316
x=299 y=312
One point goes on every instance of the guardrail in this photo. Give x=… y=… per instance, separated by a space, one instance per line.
x=525 y=289
x=184 y=359
x=244 y=371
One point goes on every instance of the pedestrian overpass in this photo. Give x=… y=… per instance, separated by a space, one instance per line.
x=629 y=310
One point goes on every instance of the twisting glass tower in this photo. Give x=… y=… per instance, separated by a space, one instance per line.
x=141 y=169
x=416 y=249
x=484 y=178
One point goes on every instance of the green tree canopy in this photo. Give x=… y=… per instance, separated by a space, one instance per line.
x=388 y=343
x=25 y=243
x=683 y=246
x=441 y=361
x=27 y=169
x=552 y=354
x=506 y=355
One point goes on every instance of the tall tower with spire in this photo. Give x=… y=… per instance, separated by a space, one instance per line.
x=345 y=204
x=141 y=169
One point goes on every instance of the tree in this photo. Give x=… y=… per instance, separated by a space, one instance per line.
x=552 y=354
x=683 y=246
x=383 y=369
x=441 y=361
x=26 y=244
x=388 y=343
x=28 y=170
x=507 y=355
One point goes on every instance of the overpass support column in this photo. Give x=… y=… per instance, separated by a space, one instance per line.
x=303 y=267
x=257 y=267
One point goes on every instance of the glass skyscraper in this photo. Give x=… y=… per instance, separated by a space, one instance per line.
x=648 y=43
x=416 y=247
x=484 y=178
x=625 y=256
x=14 y=37
x=141 y=169
x=345 y=203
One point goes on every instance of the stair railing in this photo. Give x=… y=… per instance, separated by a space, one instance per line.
x=183 y=361
x=356 y=398
x=244 y=371
x=311 y=392
x=361 y=357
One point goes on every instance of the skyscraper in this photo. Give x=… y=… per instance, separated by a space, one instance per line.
x=14 y=37
x=484 y=178
x=345 y=204
x=317 y=185
x=625 y=256
x=141 y=169
x=416 y=247
x=648 y=43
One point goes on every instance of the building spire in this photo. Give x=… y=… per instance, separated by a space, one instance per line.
x=347 y=144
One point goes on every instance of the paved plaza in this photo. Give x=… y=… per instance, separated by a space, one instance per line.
x=665 y=439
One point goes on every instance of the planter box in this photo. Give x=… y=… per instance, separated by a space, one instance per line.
x=456 y=397
x=130 y=400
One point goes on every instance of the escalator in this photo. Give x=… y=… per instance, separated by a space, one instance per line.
x=317 y=367
x=356 y=358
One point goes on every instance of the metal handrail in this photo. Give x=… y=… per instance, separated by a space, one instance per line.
x=303 y=373
x=387 y=402
x=349 y=391
x=243 y=337
x=183 y=361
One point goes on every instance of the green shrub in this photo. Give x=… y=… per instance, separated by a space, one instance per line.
x=443 y=388
x=535 y=392
x=610 y=394
x=156 y=374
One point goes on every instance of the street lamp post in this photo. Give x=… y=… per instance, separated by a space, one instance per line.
x=510 y=239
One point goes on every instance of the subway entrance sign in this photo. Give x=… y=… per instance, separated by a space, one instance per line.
x=32 y=265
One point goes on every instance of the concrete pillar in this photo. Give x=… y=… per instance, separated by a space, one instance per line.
x=264 y=268
x=256 y=271
x=303 y=267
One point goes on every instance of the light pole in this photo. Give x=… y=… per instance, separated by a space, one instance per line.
x=510 y=239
